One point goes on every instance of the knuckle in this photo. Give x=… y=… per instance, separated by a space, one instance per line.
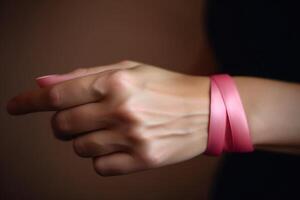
x=138 y=135
x=118 y=79
x=60 y=122
x=128 y=63
x=100 y=169
x=54 y=98
x=79 y=147
x=151 y=159
x=127 y=112
x=94 y=146
x=124 y=110
x=104 y=170
x=97 y=89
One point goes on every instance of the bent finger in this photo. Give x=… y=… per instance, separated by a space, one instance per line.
x=99 y=143
x=61 y=96
x=85 y=118
x=116 y=164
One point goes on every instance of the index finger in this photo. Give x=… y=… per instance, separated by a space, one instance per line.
x=31 y=101
x=64 y=95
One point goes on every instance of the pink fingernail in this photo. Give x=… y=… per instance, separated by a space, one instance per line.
x=47 y=80
x=47 y=76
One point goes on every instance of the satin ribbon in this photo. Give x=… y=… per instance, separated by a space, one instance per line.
x=228 y=127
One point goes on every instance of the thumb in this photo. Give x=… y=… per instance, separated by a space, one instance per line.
x=52 y=79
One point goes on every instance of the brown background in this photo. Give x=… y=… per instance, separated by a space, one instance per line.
x=44 y=37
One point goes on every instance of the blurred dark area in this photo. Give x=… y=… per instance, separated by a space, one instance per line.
x=261 y=39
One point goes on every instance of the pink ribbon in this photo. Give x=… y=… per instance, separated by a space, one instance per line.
x=228 y=127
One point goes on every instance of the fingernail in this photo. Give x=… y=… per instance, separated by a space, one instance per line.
x=47 y=76
x=44 y=81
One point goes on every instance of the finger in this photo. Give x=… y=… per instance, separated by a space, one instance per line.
x=45 y=81
x=61 y=96
x=31 y=101
x=99 y=143
x=85 y=118
x=116 y=164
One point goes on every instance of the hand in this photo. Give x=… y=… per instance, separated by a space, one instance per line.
x=128 y=116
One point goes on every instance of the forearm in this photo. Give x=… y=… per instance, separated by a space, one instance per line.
x=273 y=112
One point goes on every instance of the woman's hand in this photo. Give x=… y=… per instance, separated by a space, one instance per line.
x=127 y=116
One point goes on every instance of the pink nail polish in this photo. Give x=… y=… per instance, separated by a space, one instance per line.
x=44 y=81
x=47 y=76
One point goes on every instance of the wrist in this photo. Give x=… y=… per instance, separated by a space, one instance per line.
x=249 y=92
x=200 y=86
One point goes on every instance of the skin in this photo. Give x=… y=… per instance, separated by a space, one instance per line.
x=130 y=116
